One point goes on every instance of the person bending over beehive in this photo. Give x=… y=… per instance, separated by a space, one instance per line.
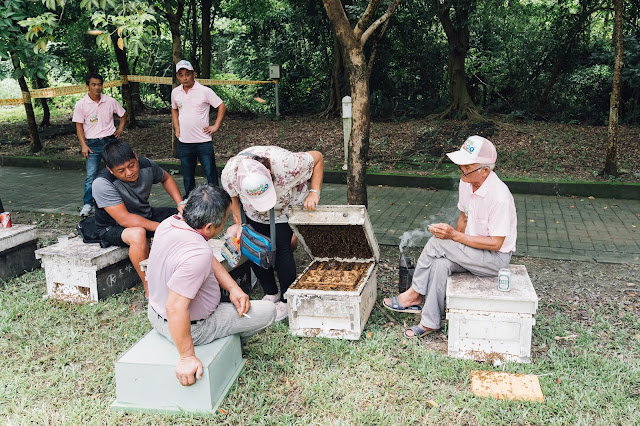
x=185 y=280
x=266 y=177
x=481 y=243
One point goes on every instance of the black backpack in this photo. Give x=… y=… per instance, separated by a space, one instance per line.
x=88 y=230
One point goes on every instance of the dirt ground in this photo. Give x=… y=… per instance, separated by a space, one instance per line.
x=526 y=149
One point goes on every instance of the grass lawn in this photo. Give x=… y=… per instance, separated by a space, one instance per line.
x=56 y=361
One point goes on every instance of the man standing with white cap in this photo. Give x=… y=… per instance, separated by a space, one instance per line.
x=190 y=103
x=266 y=177
x=481 y=243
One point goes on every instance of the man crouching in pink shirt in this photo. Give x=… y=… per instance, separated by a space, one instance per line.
x=481 y=242
x=185 y=280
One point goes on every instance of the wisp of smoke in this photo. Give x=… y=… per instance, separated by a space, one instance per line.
x=411 y=238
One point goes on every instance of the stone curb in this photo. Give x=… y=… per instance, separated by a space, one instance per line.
x=565 y=188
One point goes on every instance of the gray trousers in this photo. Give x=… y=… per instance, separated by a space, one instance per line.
x=224 y=321
x=439 y=259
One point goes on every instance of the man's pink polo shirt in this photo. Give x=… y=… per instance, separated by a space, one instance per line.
x=491 y=211
x=97 y=117
x=193 y=111
x=180 y=260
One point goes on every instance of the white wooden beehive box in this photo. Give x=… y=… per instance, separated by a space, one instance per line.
x=79 y=272
x=17 y=245
x=487 y=324
x=341 y=242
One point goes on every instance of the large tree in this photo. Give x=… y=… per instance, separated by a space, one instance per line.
x=611 y=164
x=358 y=70
x=25 y=30
x=454 y=16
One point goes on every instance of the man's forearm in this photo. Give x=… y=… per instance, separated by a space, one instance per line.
x=180 y=329
x=176 y=121
x=222 y=110
x=123 y=122
x=171 y=187
x=223 y=277
x=80 y=134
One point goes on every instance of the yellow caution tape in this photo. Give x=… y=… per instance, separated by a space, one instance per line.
x=52 y=92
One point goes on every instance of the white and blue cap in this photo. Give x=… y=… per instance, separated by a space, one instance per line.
x=475 y=149
x=184 y=64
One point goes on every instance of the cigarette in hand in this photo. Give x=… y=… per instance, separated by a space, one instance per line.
x=246 y=315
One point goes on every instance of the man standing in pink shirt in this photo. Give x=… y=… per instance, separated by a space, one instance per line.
x=190 y=103
x=481 y=243
x=93 y=115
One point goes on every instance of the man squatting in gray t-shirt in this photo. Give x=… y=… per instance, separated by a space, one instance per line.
x=121 y=191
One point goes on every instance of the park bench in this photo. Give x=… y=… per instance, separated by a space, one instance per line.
x=17 y=246
x=80 y=272
x=486 y=324
x=146 y=380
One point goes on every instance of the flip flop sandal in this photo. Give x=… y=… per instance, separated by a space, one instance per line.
x=394 y=305
x=417 y=332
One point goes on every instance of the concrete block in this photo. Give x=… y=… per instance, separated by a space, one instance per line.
x=17 y=247
x=146 y=381
x=487 y=324
x=79 y=272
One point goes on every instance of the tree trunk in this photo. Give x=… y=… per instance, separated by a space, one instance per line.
x=36 y=145
x=206 y=38
x=610 y=164
x=194 y=36
x=555 y=73
x=359 y=140
x=461 y=106
x=125 y=89
x=335 y=86
x=176 y=50
x=46 y=113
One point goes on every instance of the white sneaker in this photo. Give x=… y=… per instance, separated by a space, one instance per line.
x=282 y=310
x=273 y=298
x=86 y=210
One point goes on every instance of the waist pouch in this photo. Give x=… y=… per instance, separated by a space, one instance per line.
x=256 y=247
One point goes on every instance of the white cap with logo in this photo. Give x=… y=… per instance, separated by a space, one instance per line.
x=256 y=185
x=184 y=64
x=475 y=150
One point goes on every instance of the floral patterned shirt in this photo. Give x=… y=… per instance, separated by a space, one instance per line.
x=290 y=172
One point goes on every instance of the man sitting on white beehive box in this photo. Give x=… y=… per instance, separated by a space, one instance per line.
x=481 y=243
x=185 y=280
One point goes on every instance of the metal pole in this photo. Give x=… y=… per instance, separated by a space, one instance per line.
x=346 y=127
x=277 y=101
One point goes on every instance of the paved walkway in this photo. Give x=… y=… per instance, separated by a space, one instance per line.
x=604 y=230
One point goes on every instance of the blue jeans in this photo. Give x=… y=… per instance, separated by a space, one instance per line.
x=93 y=165
x=189 y=154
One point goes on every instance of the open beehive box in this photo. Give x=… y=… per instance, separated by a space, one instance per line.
x=335 y=294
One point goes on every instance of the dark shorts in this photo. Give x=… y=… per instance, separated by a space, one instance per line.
x=113 y=234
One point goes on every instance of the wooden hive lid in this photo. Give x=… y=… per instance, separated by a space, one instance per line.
x=338 y=231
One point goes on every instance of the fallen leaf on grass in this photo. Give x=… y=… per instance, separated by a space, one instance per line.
x=222 y=411
x=432 y=403
x=631 y=284
x=558 y=381
x=96 y=395
x=569 y=337
x=369 y=335
x=636 y=336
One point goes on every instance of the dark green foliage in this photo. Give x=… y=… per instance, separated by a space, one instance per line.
x=545 y=59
